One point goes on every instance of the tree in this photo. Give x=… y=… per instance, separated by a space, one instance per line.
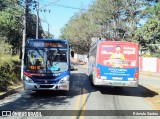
x=118 y=19
x=79 y=32
x=10 y=22
x=110 y=19
x=11 y=12
x=149 y=34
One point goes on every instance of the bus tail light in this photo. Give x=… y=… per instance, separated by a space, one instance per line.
x=98 y=73
x=136 y=75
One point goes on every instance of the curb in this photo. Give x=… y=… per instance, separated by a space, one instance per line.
x=10 y=92
x=150 y=74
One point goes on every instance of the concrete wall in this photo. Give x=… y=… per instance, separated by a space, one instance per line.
x=149 y=64
x=81 y=57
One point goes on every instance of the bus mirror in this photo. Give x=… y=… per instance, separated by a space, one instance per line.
x=72 y=54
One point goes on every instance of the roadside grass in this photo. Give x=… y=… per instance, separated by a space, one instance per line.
x=12 y=87
x=155 y=101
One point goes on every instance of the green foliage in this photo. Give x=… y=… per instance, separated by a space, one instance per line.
x=148 y=35
x=117 y=19
x=5 y=48
x=112 y=20
x=11 y=21
x=79 y=32
x=10 y=72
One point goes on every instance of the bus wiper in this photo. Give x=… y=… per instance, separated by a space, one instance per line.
x=39 y=53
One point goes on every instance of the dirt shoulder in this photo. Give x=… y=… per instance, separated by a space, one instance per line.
x=77 y=62
x=152 y=82
x=11 y=90
x=150 y=75
x=155 y=100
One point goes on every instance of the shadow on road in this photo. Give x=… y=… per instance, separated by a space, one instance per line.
x=140 y=91
x=38 y=100
x=80 y=84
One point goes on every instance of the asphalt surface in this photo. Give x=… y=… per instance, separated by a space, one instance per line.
x=83 y=99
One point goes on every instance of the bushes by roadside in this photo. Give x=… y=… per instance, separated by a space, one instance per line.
x=9 y=71
x=9 y=65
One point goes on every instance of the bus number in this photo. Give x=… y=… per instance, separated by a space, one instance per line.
x=35 y=67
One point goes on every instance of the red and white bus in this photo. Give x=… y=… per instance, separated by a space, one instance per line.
x=114 y=63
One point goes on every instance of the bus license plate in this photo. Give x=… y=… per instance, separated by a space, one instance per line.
x=117 y=83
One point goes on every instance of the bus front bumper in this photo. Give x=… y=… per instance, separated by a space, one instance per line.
x=102 y=82
x=36 y=87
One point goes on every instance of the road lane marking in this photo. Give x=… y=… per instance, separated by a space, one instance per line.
x=83 y=104
x=79 y=110
x=77 y=105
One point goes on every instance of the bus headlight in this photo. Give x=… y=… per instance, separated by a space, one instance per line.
x=29 y=80
x=64 y=79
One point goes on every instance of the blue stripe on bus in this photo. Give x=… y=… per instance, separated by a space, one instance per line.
x=111 y=72
x=55 y=76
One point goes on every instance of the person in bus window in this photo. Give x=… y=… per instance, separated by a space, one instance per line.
x=32 y=58
x=39 y=61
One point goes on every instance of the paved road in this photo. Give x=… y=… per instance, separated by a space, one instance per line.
x=80 y=99
x=153 y=79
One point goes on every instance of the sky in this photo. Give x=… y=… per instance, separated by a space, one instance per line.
x=60 y=13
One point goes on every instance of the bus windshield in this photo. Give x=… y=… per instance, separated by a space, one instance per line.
x=46 y=60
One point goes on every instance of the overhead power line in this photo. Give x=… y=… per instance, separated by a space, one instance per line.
x=37 y=24
x=64 y=6
x=61 y=5
x=49 y=4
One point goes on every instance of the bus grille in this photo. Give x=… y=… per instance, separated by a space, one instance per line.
x=46 y=82
x=46 y=86
x=44 y=77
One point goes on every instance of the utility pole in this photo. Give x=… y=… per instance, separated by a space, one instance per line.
x=48 y=35
x=24 y=36
x=48 y=30
x=37 y=25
